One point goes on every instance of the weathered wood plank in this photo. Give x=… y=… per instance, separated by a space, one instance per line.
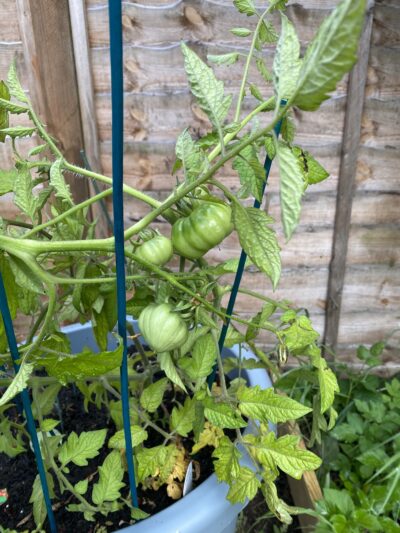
x=80 y=43
x=162 y=117
x=9 y=29
x=46 y=35
x=346 y=186
x=191 y=20
x=366 y=328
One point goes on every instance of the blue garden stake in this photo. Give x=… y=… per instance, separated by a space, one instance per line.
x=117 y=100
x=24 y=395
x=241 y=265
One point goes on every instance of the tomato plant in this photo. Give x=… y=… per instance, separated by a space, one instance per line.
x=57 y=270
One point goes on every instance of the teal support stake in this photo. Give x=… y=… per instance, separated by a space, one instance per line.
x=26 y=404
x=241 y=265
x=117 y=100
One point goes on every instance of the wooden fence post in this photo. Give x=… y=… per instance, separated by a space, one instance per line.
x=49 y=54
x=347 y=181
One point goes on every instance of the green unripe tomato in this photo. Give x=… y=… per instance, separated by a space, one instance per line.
x=204 y=228
x=162 y=329
x=157 y=250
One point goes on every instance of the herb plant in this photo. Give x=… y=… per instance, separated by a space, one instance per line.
x=56 y=270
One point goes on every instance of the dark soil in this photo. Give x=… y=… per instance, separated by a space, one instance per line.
x=17 y=475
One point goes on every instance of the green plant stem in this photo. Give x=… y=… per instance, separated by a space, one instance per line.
x=43 y=133
x=247 y=66
x=21 y=224
x=67 y=213
x=51 y=462
x=107 y=245
x=104 y=179
x=220 y=364
x=117 y=395
x=230 y=136
x=264 y=299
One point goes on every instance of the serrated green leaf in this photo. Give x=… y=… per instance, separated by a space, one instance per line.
x=287 y=64
x=206 y=88
x=223 y=59
x=85 y=364
x=284 y=452
x=138 y=435
x=222 y=415
x=194 y=334
x=328 y=386
x=257 y=240
x=244 y=486
x=270 y=147
x=233 y=336
x=23 y=196
x=14 y=84
x=49 y=424
x=267 y=406
x=45 y=398
x=226 y=465
x=194 y=161
x=267 y=33
x=245 y=6
x=167 y=364
x=11 y=442
x=82 y=486
x=251 y=173
x=18 y=131
x=330 y=55
x=182 y=417
x=262 y=69
x=7 y=180
x=288 y=128
x=57 y=180
x=110 y=480
x=241 y=32
x=255 y=91
x=203 y=358
x=18 y=384
x=37 y=149
x=313 y=172
x=11 y=107
x=37 y=498
x=152 y=395
x=291 y=188
x=78 y=449
x=299 y=334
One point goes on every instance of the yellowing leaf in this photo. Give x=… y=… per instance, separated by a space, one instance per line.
x=210 y=436
x=227 y=457
x=244 y=486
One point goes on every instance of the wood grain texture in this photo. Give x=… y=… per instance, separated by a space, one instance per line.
x=80 y=43
x=46 y=36
x=346 y=185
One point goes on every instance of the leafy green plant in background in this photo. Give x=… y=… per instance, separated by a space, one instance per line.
x=360 y=471
x=56 y=270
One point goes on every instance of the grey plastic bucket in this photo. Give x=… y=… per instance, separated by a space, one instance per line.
x=205 y=509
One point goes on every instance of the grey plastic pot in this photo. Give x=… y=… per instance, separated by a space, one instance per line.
x=205 y=509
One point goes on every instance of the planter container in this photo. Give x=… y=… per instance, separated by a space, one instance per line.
x=205 y=508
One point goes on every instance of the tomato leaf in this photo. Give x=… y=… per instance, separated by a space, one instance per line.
x=257 y=240
x=206 y=88
x=291 y=188
x=18 y=384
x=286 y=62
x=79 y=448
x=110 y=479
x=330 y=55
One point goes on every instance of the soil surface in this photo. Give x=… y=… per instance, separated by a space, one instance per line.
x=17 y=475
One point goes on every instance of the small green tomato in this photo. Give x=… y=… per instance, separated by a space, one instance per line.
x=162 y=328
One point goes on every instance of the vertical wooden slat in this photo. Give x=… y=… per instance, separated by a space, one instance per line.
x=346 y=185
x=80 y=41
x=47 y=42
